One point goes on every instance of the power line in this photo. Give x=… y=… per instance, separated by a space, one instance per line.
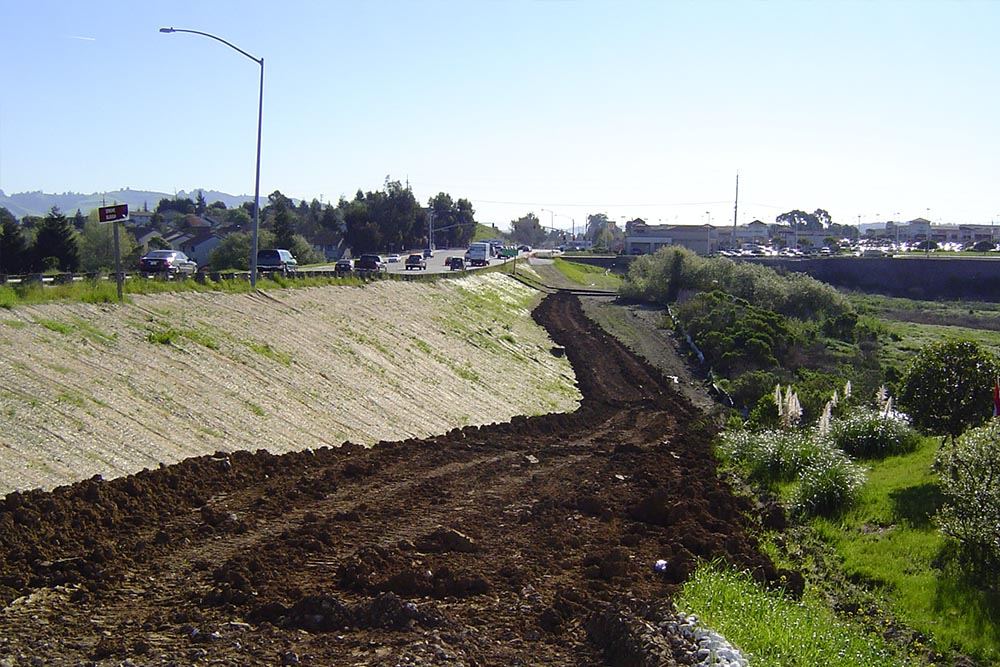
x=593 y=205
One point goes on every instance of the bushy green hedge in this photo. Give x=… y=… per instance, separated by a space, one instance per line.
x=872 y=434
x=671 y=271
x=736 y=335
x=970 y=480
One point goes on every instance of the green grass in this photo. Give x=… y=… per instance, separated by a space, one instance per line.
x=105 y=290
x=589 y=276
x=912 y=324
x=889 y=541
x=171 y=336
x=256 y=409
x=884 y=558
x=266 y=350
x=776 y=631
x=485 y=233
x=53 y=325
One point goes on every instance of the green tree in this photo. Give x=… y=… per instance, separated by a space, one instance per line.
x=812 y=222
x=304 y=252
x=283 y=220
x=454 y=221
x=443 y=216
x=948 y=387
x=233 y=252
x=216 y=211
x=971 y=514
x=528 y=230
x=239 y=216
x=97 y=247
x=362 y=234
x=200 y=205
x=79 y=220
x=13 y=247
x=466 y=217
x=597 y=227
x=56 y=243
x=183 y=206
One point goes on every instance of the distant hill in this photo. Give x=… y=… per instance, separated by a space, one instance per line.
x=40 y=203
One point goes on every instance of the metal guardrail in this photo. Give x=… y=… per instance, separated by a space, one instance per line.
x=211 y=276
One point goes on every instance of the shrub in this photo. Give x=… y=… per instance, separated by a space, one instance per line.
x=827 y=480
x=948 y=387
x=748 y=387
x=829 y=483
x=873 y=434
x=775 y=455
x=671 y=270
x=971 y=514
x=732 y=333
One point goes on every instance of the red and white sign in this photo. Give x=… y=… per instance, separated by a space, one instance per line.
x=112 y=213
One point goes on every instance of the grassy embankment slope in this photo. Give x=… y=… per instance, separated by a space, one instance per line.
x=109 y=389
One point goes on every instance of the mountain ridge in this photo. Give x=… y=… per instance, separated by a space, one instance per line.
x=37 y=202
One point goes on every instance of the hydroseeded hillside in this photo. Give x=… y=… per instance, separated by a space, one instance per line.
x=111 y=389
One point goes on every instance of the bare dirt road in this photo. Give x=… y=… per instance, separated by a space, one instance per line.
x=526 y=542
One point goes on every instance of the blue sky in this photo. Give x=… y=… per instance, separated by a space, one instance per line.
x=873 y=111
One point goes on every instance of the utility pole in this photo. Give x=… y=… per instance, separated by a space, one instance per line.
x=736 y=209
x=430 y=229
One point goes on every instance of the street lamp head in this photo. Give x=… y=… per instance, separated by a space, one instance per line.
x=166 y=30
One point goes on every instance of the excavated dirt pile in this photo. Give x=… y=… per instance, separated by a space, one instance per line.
x=529 y=542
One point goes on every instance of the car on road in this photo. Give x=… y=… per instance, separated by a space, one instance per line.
x=456 y=263
x=276 y=260
x=343 y=266
x=167 y=263
x=394 y=258
x=428 y=253
x=417 y=262
x=369 y=264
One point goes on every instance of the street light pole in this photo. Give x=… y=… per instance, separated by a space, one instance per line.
x=260 y=120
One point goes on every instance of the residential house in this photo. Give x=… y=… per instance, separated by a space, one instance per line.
x=143 y=235
x=198 y=244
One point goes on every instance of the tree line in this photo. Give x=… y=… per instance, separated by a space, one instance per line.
x=387 y=219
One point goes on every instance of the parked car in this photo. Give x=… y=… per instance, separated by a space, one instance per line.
x=167 y=263
x=368 y=264
x=456 y=263
x=343 y=266
x=416 y=262
x=276 y=260
x=394 y=258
